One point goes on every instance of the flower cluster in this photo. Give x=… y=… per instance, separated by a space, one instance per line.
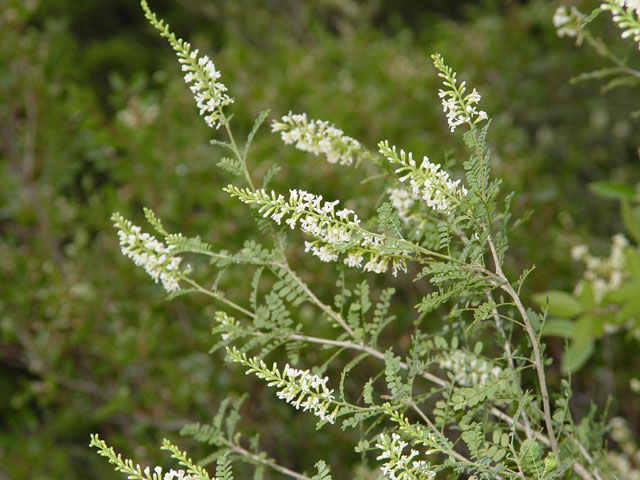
x=335 y=231
x=428 y=181
x=399 y=466
x=603 y=274
x=178 y=475
x=318 y=137
x=402 y=200
x=626 y=14
x=148 y=252
x=170 y=475
x=458 y=107
x=467 y=369
x=200 y=74
x=300 y=388
x=568 y=23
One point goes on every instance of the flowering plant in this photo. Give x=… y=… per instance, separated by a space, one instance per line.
x=466 y=404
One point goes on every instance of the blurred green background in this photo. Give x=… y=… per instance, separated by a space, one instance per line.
x=95 y=117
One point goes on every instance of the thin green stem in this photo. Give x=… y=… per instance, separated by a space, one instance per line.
x=218 y=297
x=326 y=309
x=601 y=49
x=241 y=159
x=535 y=344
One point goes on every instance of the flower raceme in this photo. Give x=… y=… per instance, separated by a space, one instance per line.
x=428 y=182
x=209 y=94
x=300 y=388
x=148 y=252
x=200 y=74
x=170 y=475
x=318 y=137
x=458 y=107
x=335 y=231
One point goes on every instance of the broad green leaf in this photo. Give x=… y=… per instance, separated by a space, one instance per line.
x=558 y=327
x=633 y=262
x=586 y=327
x=631 y=219
x=576 y=356
x=616 y=190
x=628 y=291
x=561 y=304
x=630 y=311
x=586 y=296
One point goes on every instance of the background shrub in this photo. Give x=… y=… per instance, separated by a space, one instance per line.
x=94 y=117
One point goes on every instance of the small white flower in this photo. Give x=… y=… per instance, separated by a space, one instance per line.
x=353 y=260
x=578 y=252
x=376 y=264
x=400 y=466
x=568 y=23
x=178 y=475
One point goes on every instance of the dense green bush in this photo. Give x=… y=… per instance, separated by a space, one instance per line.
x=95 y=118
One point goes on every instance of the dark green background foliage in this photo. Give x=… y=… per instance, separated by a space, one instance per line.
x=94 y=117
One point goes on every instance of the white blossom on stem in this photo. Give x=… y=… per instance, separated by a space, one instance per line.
x=318 y=137
x=458 y=107
x=199 y=73
x=626 y=15
x=568 y=23
x=428 y=182
x=210 y=95
x=300 y=388
x=148 y=252
x=334 y=231
x=398 y=465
